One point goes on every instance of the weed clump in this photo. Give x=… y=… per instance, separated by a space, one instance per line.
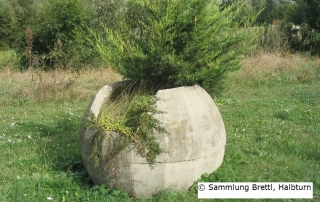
x=127 y=120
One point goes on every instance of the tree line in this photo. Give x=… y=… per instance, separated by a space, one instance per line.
x=54 y=32
x=299 y=20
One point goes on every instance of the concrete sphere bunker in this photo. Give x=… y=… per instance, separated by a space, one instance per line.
x=194 y=144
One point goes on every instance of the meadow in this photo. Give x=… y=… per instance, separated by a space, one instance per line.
x=271 y=112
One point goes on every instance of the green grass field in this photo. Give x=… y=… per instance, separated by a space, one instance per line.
x=271 y=113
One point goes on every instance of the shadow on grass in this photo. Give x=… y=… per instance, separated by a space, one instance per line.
x=59 y=145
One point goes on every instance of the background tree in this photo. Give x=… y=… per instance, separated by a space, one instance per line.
x=287 y=12
x=59 y=35
x=26 y=11
x=8 y=24
x=306 y=14
x=267 y=9
x=15 y=17
x=107 y=12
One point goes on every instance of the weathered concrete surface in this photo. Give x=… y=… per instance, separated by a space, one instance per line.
x=194 y=144
x=87 y=134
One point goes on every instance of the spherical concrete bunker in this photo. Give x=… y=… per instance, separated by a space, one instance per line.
x=194 y=144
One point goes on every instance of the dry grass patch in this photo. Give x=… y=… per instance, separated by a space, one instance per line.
x=266 y=65
x=57 y=85
x=99 y=77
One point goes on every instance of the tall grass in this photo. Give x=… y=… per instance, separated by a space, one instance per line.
x=55 y=86
x=277 y=67
x=272 y=38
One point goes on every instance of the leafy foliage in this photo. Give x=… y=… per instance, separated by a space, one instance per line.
x=133 y=120
x=172 y=43
x=58 y=37
x=307 y=37
x=7 y=23
x=268 y=10
x=308 y=12
x=107 y=12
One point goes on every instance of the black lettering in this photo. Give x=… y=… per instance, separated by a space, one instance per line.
x=254 y=187
x=283 y=187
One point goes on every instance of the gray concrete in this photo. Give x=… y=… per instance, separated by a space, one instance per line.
x=194 y=145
